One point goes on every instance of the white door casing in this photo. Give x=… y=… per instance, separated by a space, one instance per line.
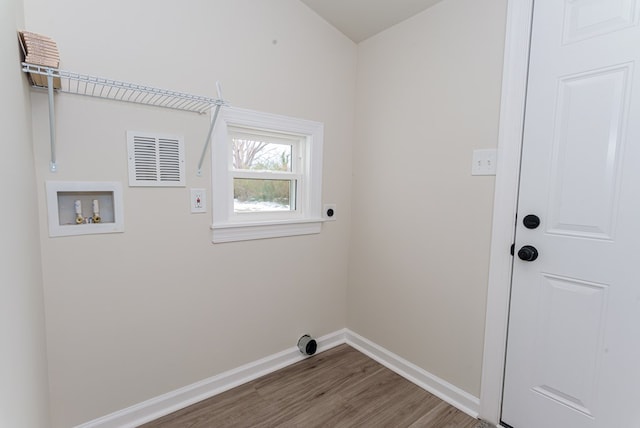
x=512 y=108
x=574 y=327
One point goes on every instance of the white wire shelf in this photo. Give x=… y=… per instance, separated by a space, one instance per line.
x=99 y=87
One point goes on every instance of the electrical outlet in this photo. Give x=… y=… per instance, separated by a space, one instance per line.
x=484 y=162
x=329 y=212
x=198 y=201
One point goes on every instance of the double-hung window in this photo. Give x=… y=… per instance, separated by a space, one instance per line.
x=267 y=176
x=266 y=172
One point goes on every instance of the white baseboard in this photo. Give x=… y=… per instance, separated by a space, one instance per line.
x=180 y=398
x=440 y=388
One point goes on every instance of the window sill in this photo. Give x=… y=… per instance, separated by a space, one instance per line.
x=231 y=232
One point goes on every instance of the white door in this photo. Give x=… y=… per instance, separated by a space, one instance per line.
x=573 y=352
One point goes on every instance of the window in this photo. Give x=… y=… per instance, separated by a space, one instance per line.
x=266 y=170
x=267 y=176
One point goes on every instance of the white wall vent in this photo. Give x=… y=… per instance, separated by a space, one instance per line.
x=155 y=160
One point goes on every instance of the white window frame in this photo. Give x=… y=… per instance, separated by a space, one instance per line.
x=229 y=226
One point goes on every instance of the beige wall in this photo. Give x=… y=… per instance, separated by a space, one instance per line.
x=428 y=94
x=131 y=316
x=134 y=315
x=23 y=375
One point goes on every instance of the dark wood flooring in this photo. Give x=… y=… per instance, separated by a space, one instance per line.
x=337 y=388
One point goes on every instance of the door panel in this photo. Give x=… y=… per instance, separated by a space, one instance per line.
x=573 y=352
x=589 y=18
x=589 y=127
x=566 y=361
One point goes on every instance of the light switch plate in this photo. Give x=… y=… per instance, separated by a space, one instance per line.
x=484 y=162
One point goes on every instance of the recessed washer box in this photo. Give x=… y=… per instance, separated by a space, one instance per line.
x=71 y=207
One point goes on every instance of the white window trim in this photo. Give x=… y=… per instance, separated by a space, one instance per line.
x=228 y=227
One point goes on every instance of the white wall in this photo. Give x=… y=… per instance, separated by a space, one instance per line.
x=131 y=316
x=428 y=94
x=23 y=376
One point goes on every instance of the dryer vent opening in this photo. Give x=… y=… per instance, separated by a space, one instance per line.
x=307 y=345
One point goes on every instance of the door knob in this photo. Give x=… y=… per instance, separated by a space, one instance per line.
x=528 y=253
x=531 y=221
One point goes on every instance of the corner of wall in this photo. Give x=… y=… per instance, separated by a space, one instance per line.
x=23 y=366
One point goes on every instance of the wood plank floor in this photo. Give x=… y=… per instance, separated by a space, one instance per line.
x=337 y=388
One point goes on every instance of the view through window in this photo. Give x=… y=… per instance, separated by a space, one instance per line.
x=265 y=170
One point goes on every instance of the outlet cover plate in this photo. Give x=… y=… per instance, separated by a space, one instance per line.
x=198 y=200
x=329 y=212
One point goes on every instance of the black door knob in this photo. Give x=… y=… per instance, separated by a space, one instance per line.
x=531 y=221
x=528 y=253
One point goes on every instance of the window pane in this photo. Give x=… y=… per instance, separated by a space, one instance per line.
x=256 y=195
x=258 y=155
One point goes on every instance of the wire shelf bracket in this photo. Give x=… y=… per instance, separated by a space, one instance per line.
x=98 y=87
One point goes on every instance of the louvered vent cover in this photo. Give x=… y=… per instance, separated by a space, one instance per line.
x=155 y=160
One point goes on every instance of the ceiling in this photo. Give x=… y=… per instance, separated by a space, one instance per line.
x=361 y=19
